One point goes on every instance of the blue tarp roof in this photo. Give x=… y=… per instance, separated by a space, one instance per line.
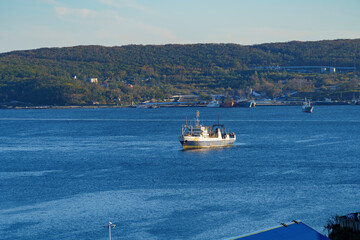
x=293 y=231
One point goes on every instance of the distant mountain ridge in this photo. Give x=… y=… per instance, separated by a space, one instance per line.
x=326 y=52
x=155 y=70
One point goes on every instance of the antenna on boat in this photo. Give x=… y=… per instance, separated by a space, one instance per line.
x=218 y=119
x=197 y=118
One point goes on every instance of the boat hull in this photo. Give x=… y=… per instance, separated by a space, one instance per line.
x=213 y=104
x=308 y=109
x=193 y=144
x=246 y=104
x=199 y=136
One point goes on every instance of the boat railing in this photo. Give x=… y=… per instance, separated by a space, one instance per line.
x=189 y=130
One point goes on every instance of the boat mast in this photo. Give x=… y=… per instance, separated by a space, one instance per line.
x=197 y=119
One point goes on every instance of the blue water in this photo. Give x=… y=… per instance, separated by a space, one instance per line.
x=65 y=173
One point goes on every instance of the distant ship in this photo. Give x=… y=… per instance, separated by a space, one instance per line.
x=306 y=107
x=213 y=104
x=328 y=101
x=245 y=103
x=227 y=104
x=199 y=136
x=147 y=105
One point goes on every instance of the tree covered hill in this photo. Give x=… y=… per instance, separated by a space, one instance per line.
x=137 y=72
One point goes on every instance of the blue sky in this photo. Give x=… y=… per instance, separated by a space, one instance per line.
x=29 y=24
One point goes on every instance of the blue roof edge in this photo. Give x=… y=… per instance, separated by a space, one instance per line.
x=265 y=230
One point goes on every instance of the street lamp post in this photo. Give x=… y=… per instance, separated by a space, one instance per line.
x=109 y=226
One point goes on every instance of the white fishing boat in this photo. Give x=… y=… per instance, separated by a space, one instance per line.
x=213 y=104
x=199 y=136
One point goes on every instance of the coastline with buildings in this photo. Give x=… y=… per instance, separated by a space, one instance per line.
x=176 y=104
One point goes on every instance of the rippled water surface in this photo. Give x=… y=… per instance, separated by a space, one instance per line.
x=65 y=173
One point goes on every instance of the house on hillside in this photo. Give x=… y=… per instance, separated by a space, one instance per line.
x=92 y=80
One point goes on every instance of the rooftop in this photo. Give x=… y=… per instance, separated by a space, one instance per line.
x=295 y=230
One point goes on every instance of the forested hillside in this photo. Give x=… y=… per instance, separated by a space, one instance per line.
x=135 y=73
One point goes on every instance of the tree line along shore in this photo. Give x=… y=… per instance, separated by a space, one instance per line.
x=128 y=75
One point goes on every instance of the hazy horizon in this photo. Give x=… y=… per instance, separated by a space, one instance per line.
x=32 y=24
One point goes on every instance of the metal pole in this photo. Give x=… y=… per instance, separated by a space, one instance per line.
x=109 y=230
x=109 y=226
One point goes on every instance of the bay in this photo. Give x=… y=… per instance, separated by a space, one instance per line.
x=64 y=173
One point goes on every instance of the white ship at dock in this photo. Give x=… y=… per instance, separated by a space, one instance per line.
x=199 y=136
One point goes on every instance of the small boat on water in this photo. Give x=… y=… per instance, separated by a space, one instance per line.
x=142 y=105
x=213 y=104
x=306 y=107
x=328 y=101
x=147 y=105
x=199 y=136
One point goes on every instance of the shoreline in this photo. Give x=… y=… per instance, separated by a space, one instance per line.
x=163 y=105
